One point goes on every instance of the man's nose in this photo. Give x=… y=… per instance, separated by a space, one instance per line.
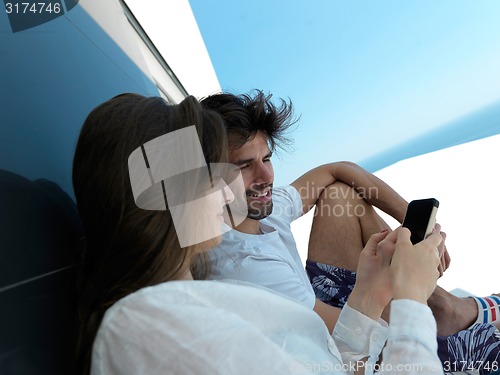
x=264 y=173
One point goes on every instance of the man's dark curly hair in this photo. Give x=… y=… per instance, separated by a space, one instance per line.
x=245 y=115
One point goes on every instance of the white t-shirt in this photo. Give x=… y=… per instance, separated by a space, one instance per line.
x=211 y=327
x=270 y=259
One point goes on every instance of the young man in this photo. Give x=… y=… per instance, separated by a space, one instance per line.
x=262 y=250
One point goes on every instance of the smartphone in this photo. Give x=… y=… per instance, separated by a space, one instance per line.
x=420 y=218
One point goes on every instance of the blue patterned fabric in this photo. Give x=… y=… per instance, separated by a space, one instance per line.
x=475 y=350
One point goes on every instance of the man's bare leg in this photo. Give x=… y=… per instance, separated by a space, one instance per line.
x=343 y=222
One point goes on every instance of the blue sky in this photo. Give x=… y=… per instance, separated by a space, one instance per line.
x=365 y=76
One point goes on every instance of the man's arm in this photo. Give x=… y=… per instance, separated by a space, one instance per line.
x=375 y=191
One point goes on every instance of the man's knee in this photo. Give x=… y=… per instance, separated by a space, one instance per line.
x=341 y=200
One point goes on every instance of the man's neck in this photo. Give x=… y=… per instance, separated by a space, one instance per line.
x=249 y=226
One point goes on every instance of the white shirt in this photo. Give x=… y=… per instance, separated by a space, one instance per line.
x=270 y=259
x=210 y=327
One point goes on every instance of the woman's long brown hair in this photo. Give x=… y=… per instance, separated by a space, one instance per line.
x=127 y=248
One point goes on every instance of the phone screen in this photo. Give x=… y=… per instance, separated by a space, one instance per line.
x=420 y=218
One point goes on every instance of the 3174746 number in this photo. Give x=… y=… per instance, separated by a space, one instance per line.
x=32 y=7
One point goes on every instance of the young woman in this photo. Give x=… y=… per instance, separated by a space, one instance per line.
x=152 y=197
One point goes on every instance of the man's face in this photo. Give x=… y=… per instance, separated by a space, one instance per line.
x=254 y=161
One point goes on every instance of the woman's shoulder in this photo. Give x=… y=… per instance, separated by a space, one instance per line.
x=167 y=309
x=169 y=322
x=178 y=300
x=170 y=294
x=177 y=321
x=183 y=295
x=181 y=308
